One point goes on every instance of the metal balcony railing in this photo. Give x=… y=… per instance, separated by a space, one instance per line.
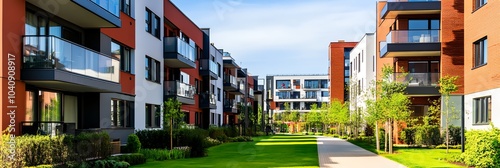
x=177 y=88
x=413 y=36
x=230 y=79
x=176 y=45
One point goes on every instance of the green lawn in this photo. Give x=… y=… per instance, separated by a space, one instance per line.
x=417 y=157
x=271 y=151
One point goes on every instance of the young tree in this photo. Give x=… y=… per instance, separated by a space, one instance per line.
x=340 y=113
x=446 y=87
x=392 y=103
x=172 y=111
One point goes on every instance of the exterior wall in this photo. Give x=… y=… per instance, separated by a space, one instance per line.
x=484 y=80
x=218 y=85
x=452 y=41
x=147 y=44
x=365 y=73
x=336 y=68
x=383 y=29
x=105 y=113
x=495 y=105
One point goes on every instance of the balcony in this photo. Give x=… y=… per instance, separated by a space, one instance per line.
x=230 y=83
x=241 y=88
x=208 y=101
x=228 y=61
x=230 y=106
x=84 y=13
x=411 y=43
x=209 y=68
x=183 y=92
x=55 y=63
x=251 y=93
x=419 y=83
x=393 y=8
x=178 y=53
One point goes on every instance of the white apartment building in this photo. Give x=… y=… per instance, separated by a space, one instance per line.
x=217 y=88
x=299 y=91
x=362 y=65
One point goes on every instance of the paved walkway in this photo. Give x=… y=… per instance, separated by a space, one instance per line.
x=338 y=153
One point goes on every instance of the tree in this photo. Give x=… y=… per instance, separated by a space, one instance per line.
x=339 y=113
x=446 y=87
x=172 y=111
x=392 y=103
x=295 y=117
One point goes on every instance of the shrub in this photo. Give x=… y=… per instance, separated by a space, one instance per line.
x=132 y=159
x=428 y=135
x=194 y=138
x=41 y=150
x=408 y=135
x=164 y=154
x=218 y=134
x=154 y=139
x=332 y=131
x=90 y=145
x=107 y=164
x=482 y=148
x=231 y=131
x=241 y=139
x=213 y=142
x=455 y=135
x=133 y=143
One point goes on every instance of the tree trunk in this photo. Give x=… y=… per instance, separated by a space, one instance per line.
x=390 y=136
x=386 y=139
x=171 y=136
x=377 y=138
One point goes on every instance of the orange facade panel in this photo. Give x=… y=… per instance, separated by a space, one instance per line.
x=181 y=21
x=336 y=69
x=125 y=34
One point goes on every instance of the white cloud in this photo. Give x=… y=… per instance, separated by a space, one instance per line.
x=283 y=37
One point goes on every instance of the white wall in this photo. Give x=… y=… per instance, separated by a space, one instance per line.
x=301 y=90
x=365 y=72
x=147 y=44
x=495 y=107
x=218 y=85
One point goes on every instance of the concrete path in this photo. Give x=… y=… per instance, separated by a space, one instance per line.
x=338 y=153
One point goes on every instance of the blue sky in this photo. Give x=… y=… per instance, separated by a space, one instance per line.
x=281 y=36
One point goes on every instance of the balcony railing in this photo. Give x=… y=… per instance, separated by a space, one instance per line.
x=385 y=8
x=177 y=88
x=174 y=44
x=418 y=79
x=112 y=6
x=383 y=48
x=230 y=79
x=250 y=92
x=208 y=98
x=211 y=65
x=51 y=52
x=241 y=86
x=413 y=36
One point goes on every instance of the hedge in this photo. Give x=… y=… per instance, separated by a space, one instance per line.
x=482 y=148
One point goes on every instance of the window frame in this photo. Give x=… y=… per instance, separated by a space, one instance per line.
x=153 y=23
x=152 y=69
x=127 y=113
x=477 y=4
x=125 y=6
x=125 y=57
x=480 y=52
x=481 y=110
x=153 y=116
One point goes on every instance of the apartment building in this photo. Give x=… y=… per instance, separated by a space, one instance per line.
x=425 y=39
x=339 y=70
x=211 y=71
x=482 y=77
x=233 y=89
x=362 y=64
x=68 y=68
x=300 y=92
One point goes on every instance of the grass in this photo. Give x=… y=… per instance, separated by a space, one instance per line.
x=415 y=157
x=268 y=151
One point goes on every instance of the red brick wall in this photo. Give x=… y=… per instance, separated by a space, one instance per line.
x=336 y=69
x=452 y=43
x=478 y=24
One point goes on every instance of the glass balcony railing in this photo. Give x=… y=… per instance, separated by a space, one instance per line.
x=417 y=79
x=174 y=44
x=413 y=36
x=210 y=65
x=51 y=52
x=241 y=86
x=383 y=48
x=230 y=79
x=176 y=88
x=112 y=6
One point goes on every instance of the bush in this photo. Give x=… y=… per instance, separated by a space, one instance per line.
x=106 y=164
x=218 y=134
x=241 y=139
x=408 y=136
x=482 y=148
x=455 y=135
x=428 y=135
x=332 y=131
x=164 y=154
x=90 y=145
x=213 y=142
x=132 y=159
x=231 y=131
x=194 y=138
x=154 y=139
x=36 y=150
x=133 y=143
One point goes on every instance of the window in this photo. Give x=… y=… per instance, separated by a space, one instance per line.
x=481 y=52
x=152 y=69
x=283 y=84
x=218 y=94
x=152 y=116
x=482 y=110
x=152 y=23
x=325 y=94
x=311 y=84
x=122 y=113
x=125 y=6
x=123 y=54
x=479 y=3
x=219 y=69
x=311 y=95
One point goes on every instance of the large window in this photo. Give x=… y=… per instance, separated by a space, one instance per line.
x=311 y=84
x=481 y=52
x=283 y=84
x=325 y=94
x=152 y=23
x=311 y=95
x=122 y=113
x=479 y=3
x=482 y=110
x=125 y=6
x=152 y=69
x=124 y=55
x=152 y=116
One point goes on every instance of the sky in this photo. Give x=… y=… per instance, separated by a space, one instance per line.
x=281 y=37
